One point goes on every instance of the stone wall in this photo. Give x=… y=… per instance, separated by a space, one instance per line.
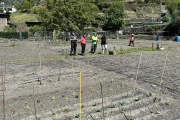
x=3 y=23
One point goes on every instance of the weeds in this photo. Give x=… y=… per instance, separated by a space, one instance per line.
x=169 y=101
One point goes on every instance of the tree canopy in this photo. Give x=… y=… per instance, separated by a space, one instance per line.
x=67 y=16
x=115 y=16
x=173 y=5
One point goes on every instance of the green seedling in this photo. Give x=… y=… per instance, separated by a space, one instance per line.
x=113 y=105
x=66 y=109
x=27 y=107
x=97 y=92
x=94 y=104
x=25 y=103
x=122 y=83
x=122 y=103
x=92 y=90
x=104 y=91
x=74 y=93
x=116 y=86
x=138 y=98
x=10 y=106
x=77 y=115
x=150 y=94
x=82 y=106
x=87 y=95
x=53 y=98
x=66 y=98
x=38 y=118
x=169 y=101
x=54 y=113
x=99 y=110
x=110 y=89
x=112 y=80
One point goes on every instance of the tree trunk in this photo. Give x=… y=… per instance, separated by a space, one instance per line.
x=117 y=35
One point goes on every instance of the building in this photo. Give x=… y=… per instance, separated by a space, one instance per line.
x=3 y=21
x=4 y=7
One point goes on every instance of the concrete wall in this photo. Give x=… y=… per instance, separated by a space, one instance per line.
x=3 y=23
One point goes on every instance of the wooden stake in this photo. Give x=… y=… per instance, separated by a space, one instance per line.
x=3 y=97
x=135 y=84
x=40 y=63
x=72 y=68
x=160 y=83
x=80 y=99
x=34 y=103
x=102 y=100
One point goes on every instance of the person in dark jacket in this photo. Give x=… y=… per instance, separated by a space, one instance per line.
x=104 y=44
x=73 y=40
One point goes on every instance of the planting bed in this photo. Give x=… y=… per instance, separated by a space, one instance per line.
x=116 y=73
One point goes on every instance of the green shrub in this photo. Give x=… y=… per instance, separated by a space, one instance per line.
x=165 y=19
x=16 y=35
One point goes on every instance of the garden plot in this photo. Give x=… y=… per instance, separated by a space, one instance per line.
x=60 y=99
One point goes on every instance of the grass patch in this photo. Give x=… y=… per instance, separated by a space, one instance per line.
x=134 y=50
x=22 y=17
x=34 y=59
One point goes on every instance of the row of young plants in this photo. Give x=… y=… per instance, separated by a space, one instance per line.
x=40 y=107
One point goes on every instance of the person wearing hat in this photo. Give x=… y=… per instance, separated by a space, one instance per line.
x=131 y=40
x=73 y=40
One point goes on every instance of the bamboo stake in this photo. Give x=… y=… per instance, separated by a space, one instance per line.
x=34 y=103
x=160 y=83
x=102 y=101
x=72 y=68
x=135 y=83
x=3 y=96
x=80 y=99
x=40 y=63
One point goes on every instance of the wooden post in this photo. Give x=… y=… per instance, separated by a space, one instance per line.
x=3 y=96
x=102 y=100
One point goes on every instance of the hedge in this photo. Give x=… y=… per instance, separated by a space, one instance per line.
x=15 y=35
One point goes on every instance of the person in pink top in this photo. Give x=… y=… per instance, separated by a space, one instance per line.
x=83 y=44
x=131 y=40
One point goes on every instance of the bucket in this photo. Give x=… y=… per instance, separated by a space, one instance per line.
x=158 y=37
x=178 y=38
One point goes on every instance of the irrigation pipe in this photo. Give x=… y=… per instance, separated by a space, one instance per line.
x=160 y=84
x=135 y=83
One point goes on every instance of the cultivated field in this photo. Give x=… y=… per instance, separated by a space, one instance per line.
x=57 y=97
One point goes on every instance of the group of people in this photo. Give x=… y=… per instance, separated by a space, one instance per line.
x=95 y=39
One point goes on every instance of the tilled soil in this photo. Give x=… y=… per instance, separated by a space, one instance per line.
x=111 y=71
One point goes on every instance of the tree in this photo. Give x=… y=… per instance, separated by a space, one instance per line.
x=176 y=17
x=173 y=5
x=115 y=16
x=70 y=15
x=17 y=5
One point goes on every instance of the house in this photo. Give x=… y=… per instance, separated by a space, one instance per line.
x=3 y=21
x=4 y=7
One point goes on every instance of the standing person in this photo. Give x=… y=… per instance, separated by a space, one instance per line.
x=94 y=43
x=83 y=44
x=73 y=40
x=104 y=44
x=131 y=40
